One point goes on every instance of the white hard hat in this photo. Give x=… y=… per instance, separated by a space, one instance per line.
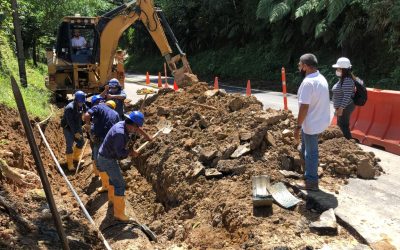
x=343 y=63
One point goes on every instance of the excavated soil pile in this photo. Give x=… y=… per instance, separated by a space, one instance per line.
x=25 y=218
x=200 y=174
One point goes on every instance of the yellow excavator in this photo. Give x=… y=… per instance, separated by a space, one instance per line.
x=84 y=53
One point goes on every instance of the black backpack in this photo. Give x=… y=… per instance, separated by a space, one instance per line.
x=361 y=95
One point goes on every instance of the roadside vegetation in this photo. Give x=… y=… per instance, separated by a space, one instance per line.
x=253 y=39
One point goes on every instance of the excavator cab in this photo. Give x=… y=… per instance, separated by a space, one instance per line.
x=65 y=48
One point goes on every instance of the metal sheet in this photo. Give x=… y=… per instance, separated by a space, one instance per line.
x=282 y=195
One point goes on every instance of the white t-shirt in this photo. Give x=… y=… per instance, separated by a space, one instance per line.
x=314 y=90
x=78 y=42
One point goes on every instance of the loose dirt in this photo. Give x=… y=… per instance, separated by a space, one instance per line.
x=193 y=187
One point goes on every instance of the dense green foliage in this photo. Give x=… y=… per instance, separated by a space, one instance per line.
x=39 y=20
x=237 y=39
x=255 y=38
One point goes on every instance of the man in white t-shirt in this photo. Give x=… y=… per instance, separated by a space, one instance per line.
x=313 y=118
x=78 y=41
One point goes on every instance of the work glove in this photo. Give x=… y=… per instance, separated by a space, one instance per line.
x=78 y=136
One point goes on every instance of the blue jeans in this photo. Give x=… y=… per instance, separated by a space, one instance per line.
x=309 y=149
x=95 y=151
x=113 y=170
x=344 y=120
x=70 y=139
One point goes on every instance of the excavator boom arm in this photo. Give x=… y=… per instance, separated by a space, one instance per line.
x=121 y=19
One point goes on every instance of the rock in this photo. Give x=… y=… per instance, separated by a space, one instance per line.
x=163 y=111
x=203 y=123
x=207 y=155
x=227 y=150
x=245 y=135
x=37 y=194
x=342 y=170
x=326 y=225
x=189 y=143
x=365 y=170
x=46 y=214
x=230 y=167
x=290 y=174
x=287 y=163
x=212 y=173
x=320 y=172
x=287 y=133
x=269 y=138
x=236 y=104
x=211 y=93
x=241 y=150
x=258 y=136
x=221 y=136
x=271 y=117
x=198 y=169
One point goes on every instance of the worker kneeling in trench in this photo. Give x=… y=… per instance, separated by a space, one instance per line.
x=116 y=146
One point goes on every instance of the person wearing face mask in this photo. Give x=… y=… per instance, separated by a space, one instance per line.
x=343 y=92
x=313 y=117
x=113 y=91
x=71 y=122
x=115 y=147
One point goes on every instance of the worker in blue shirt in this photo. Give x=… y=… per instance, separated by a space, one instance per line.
x=113 y=91
x=115 y=147
x=71 y=122
x=103 y=118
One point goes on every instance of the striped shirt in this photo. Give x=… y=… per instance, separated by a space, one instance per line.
x=342 y=93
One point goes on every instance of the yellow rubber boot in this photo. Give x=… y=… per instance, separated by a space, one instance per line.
x=70 y=162
x=77 y=153
x=104 y=182
x=95 y=170
x=111 y=190
x=119 y=208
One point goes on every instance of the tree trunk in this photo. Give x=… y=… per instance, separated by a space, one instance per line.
x=20 y=45
x=34 y=53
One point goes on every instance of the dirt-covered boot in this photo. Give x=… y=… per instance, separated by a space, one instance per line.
x=111 y=191
x=104 y=182
x=119 y=208
x=308 y=185
x=70 y=162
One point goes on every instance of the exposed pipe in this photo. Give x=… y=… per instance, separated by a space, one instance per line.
x=38 y=162
x=72 y=189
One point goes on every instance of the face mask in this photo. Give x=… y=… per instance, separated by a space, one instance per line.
x=302 y=73
x=338 y=73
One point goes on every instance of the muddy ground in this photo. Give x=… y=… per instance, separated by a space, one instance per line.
x=169 y=187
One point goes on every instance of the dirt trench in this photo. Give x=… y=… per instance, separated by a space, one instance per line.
x=192 y=187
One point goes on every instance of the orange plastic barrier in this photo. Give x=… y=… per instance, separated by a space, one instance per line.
x=365 y=118
x=385 y=130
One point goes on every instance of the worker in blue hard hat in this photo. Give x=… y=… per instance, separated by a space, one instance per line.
x=115 y=147
x=113 y=91
x=71 y=122
x=103 y=118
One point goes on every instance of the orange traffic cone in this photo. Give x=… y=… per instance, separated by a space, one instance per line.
x=159 y=80
x=216 y=82
x=147 y=78
x=176 y=86
x=248 y=89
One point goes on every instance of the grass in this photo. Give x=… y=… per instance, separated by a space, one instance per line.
x=36 y=95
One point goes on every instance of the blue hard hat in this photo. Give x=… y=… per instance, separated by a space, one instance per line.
x=137 y=117
x=80 y=96
x=96 y=98
x=113 y=82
